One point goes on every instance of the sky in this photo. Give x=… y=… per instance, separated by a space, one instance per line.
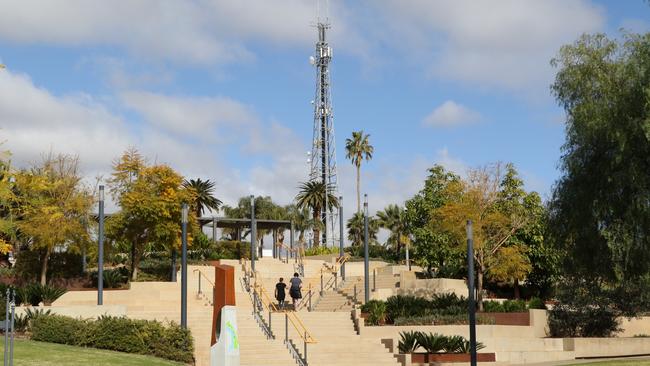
x=221 y=90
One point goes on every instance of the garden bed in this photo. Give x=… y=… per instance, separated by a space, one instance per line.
x=421 y=357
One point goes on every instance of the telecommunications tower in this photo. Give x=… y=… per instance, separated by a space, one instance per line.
x=323 y=152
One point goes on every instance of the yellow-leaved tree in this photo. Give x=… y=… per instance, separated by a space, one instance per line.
x=485 y=198
x=51 y=206
x=150 y=199
x=6 y=199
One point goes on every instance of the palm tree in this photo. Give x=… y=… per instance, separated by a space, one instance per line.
x=392 y=218
x=205 y=199
x=302 y=220
x=358 y=149
x=356 y=229
x=312 y=195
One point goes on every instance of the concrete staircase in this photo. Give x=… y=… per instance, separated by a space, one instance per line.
x=338 y=343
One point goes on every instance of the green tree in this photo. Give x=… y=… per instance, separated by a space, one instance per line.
x=358 y=149
x=150 y=199
x=433 y=248
x=204 y=195
x=393 y=219
x=599 y=211
x=51 y=206
x=313 y=195
x=265 y=208
x=356 y=228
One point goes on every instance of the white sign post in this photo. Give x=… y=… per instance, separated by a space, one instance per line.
x=226 y=351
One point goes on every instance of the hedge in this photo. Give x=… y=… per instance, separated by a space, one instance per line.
x=122 y=334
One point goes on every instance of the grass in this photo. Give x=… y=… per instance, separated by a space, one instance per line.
x=30 y=353
x=635 y=362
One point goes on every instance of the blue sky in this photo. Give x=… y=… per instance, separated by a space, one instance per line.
x=222 y=89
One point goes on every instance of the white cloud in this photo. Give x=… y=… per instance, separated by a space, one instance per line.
x=187 y=31
x=189 y=116
x=506 y=43
x=34 y=122
x=450 y=114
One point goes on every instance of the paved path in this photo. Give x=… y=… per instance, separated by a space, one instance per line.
x=574 y=362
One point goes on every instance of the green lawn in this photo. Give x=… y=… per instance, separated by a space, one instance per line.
x=30 y=353
x=636 y=362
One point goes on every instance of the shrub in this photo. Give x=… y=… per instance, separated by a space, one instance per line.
x=117 y=334
x=60 y=329
x=408 y=342
x=407 y=306
x=49 y=294
x=113 y=278
x=432 y=343
x=582 y=321
x=442 y=319
x=536 y=303
x=514 y=306
x=493 y=307
x=508 y=306
x=376 y=310
x=321 y=250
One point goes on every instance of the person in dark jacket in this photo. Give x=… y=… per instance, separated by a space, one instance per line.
x=294 y=290
x=280 y=292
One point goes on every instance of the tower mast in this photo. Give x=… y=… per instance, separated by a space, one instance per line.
x=323 y=155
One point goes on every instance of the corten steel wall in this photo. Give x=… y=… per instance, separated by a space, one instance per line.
x=224 y=293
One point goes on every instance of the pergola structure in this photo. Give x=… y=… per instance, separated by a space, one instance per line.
x=261 y=224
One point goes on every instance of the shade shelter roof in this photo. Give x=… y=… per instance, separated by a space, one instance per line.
x=231 y=223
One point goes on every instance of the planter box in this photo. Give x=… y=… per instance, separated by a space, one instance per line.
x=450 y=357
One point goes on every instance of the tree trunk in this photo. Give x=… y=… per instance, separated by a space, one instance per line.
x=359 y=188
x=136 y=264
x=517 y=293
x=133 y=244
x=46 y=259
x=479 y=287
x=316 y=230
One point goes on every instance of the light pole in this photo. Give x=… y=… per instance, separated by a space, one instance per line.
x=100 y=259
x=184 y=214
x=366 y=264
x=470 y=283
x=341 y=252
x=253 y=233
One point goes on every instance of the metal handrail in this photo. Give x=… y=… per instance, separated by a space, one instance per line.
x=298 y=325
x=302 y=332
x=206 y=278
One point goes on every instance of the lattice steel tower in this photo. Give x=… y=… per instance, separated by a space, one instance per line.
x=323 y=153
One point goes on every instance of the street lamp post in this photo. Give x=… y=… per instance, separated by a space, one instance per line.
x=366 y=267
x=100 y=259
x=341 y=252
x=184 y=214
x=253 y=233
x=470 y=283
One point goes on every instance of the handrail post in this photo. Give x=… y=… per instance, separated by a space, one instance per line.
x=270 y=327
x=374 y=279
x=305 y=343
x=199 y=282
x=309 y=298
x=336 y=285
x=321 y=282
x=286 y=327
x=355 y=293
